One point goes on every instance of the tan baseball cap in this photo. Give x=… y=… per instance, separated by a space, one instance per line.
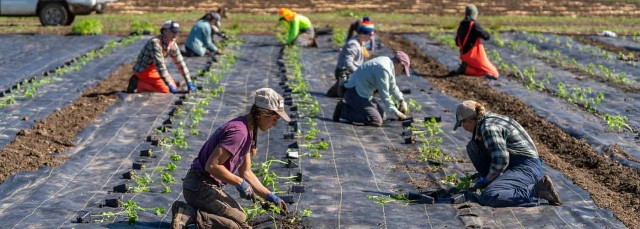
x=466 y=109
x=269 y=99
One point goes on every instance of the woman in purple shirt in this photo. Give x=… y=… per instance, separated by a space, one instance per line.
x=229 y=150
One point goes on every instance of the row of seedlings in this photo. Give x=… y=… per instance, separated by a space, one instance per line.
x=584 y=98
x=301 y=131
x=28 y=87
x=426 y=132
x=189 y=109
x=557 y=57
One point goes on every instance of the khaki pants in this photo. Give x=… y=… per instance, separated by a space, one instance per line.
x=214 y=207
x=306 y=38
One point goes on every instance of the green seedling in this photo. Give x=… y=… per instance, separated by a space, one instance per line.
x=381 y=200
x=159 y=211
x=176 y=157
x=254 y=211
x=167 y=178
x=167 y=189
x=466 y=182
x=451 y=179
x=306 y=212
x=317 y=154
x=143 y=181
x=617 y=123
x=312 y=133
x=323 y=145
x=171 y=166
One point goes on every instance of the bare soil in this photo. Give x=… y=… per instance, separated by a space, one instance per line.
x=430 y=7
x=610 y=185
x=43 y=144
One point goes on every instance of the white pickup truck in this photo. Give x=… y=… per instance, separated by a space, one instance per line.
x=52 y=12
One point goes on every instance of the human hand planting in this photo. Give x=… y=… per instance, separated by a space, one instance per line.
x=173 y=89
x=284 y=207
x=192 y=87
x=246 y=192
x=481 y=183
x=403 y=107
x=401 y=116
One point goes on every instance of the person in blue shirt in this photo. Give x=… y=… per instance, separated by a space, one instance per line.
x=358 y=104
x=199 y=42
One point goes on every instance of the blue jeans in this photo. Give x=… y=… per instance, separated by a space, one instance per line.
x=362 y=110
x=515 y=187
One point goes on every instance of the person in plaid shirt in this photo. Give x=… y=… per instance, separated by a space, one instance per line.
x=150 y=70
x=509 y=169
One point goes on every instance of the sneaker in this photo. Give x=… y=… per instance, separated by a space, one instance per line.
x=547 y=192
x=338 y=111
x=183 y=215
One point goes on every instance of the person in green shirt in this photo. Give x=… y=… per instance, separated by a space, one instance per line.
x=300 y=31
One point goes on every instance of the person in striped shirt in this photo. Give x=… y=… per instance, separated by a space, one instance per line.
x=509 y=169
x=150 y=70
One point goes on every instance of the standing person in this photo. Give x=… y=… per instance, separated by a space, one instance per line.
x=353 y=29
x=229 y=150
x=506 y=159
x=300 y=31
x=150 y=71
x=351 y=57
x=200 y=38
x=379 y=74
x=472 y=53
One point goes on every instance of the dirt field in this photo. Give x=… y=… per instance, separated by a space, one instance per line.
x=429 y=7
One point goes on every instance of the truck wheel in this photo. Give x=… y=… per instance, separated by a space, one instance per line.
x=70 y=20
x=101 y=8
x=53 y=14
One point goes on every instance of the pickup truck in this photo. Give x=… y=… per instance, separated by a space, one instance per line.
x=52 y=12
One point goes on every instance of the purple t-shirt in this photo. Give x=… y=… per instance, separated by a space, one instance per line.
x=232 y=136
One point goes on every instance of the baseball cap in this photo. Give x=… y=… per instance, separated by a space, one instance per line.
x=466 y=109
x=171 y=25
x=404 y=59
x=215 y=16
x=269 y=99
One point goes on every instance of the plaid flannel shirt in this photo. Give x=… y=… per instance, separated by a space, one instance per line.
x=156 y=52
x=503 y=138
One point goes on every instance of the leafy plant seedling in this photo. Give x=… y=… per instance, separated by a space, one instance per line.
x=306 y=212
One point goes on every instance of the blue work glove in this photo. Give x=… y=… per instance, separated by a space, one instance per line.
x=481 y=183
x=173 y=89
x=246 y=192
x=284 y=207
x=192 y=87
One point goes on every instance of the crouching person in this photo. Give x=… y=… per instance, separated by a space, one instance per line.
x=150 y=71
x=506 y=159
x=229 y=150
x=358 y=104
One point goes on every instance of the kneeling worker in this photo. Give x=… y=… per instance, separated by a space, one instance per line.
x=379 y=74
x=506 y=159
x=150 y=71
